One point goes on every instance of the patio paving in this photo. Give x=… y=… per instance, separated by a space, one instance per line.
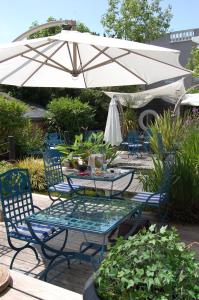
x=74 y=278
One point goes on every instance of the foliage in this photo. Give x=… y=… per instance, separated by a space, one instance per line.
x=130 y=120
x=11 y=117
x=70 y=114
x=35 y=167
x=170 y=129
x=193 y=90
x=183 y=204
x=149 y=265
x=5 y=166
x=136 y=20
x=185 y=193
x=54 y=30
x=98 y=100
x=30 y=139
x=193 y=63
x=84 y=148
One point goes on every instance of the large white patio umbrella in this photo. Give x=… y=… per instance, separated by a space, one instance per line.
x=112 y=133
x=81 y=60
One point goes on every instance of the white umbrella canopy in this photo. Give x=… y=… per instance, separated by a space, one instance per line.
x=112 y=133
x=82 y=60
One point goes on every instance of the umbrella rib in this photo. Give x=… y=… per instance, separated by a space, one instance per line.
x=162 y=62
x=105 y=62
x=70 y=55
x=46 y=63
x=121 y=65
x=92 y=59
x=52 y=60
x=82 y=71
x=43 y=63
x=25 y=51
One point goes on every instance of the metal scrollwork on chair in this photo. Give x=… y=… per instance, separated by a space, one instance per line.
x=17 y=205
x=55 y=177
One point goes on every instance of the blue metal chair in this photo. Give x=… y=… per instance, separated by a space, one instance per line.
x=53 y=139
x=17 y=205
x=135 y=145
x=146 y=141
x=161 y=196
x=55 y=177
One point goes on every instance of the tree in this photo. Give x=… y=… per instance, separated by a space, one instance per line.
x=193 y=63
x=54 y=30
x=138 y=20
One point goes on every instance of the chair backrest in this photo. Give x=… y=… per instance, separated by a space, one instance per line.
x=167 y=177
x=53 y=167
x=147 y=135
x=16 y=197
x=53 y=139
x=133 y=137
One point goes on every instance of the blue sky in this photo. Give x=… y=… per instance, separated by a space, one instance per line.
x=17 y=15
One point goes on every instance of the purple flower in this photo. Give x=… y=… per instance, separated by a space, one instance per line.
x=194 y=110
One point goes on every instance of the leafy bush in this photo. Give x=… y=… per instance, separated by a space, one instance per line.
x=30 y=139
x=93 y=145
x=11 y=117
x=5 y=166
x=13 y=122
x=183 y=203
x=130 y=120
x=149 y=265
x=70 y=114
x=171 y=131
x=36 y=171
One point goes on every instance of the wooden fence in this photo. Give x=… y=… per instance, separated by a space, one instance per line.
x=7 y=149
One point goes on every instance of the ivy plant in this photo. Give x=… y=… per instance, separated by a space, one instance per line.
x=150 y=265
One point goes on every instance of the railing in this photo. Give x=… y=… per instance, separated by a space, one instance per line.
x=181 y=36
x=8 y=149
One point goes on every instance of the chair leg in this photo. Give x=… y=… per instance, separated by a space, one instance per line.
x=61 y=249
x=21 y=249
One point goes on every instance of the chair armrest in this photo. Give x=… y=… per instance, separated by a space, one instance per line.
x=37 y=207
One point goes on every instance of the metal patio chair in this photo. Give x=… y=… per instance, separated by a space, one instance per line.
x=134 y=144
x=159 y=198
x=17 y=205
x=53 y=139
x=55 y=177
x=146 y=142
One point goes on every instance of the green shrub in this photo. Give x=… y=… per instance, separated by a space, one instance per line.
x=93 y=145
x=171 y=131
x=13 y=122
x=130 y=120
x=36 y=171
x=5 y=166
x=149 y=265
x=30 y=139
x=70 y=114
x=184 y=197
x=11 y=118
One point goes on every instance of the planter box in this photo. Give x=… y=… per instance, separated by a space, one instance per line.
x=89 y=292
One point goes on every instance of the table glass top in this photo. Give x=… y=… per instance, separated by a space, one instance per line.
x=88 y=214
x=103 y=176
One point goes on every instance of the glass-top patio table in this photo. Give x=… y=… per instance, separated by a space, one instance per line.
x=109 y=176
x=93 y=215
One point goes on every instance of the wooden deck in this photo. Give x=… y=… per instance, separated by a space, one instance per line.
x=74 y=278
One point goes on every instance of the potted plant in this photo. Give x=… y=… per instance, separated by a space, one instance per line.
x=150 y=265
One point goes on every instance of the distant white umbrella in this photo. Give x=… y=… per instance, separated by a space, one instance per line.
x=113 y=133
x=82 y=60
